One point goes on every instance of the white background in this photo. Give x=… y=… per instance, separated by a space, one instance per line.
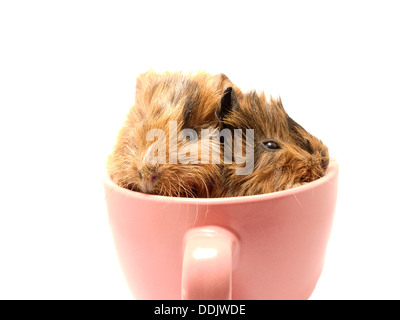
x=67 y=77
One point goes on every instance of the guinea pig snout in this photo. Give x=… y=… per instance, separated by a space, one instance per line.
x=148 y=179
x=325 y=163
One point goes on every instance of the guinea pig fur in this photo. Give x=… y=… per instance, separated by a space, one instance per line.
x=285 y=154
x=171 y=102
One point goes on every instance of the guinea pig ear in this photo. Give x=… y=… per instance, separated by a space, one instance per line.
x=229 y=103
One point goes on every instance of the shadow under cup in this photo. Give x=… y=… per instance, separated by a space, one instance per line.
x=269 y=246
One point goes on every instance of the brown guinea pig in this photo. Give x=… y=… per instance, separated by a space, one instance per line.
x=151 y=155
x=285 y=154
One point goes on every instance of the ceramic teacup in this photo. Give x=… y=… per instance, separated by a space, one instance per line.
x=269 y=246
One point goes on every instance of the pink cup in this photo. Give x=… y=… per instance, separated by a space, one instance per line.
x=269 y=246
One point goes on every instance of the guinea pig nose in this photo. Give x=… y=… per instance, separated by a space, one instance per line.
x=148 y=177
x=324 y=163
x=153 y=178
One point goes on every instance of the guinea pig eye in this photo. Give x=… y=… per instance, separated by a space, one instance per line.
x=271 y=145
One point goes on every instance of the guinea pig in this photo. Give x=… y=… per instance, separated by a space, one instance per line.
x=284 y=154
x=169 y=140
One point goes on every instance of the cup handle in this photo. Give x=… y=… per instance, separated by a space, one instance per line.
x=207 y=264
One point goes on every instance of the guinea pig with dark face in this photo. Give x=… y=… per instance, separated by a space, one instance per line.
x=284 y=155
x=170 y=136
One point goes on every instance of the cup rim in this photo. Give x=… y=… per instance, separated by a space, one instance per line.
x=331 y=173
